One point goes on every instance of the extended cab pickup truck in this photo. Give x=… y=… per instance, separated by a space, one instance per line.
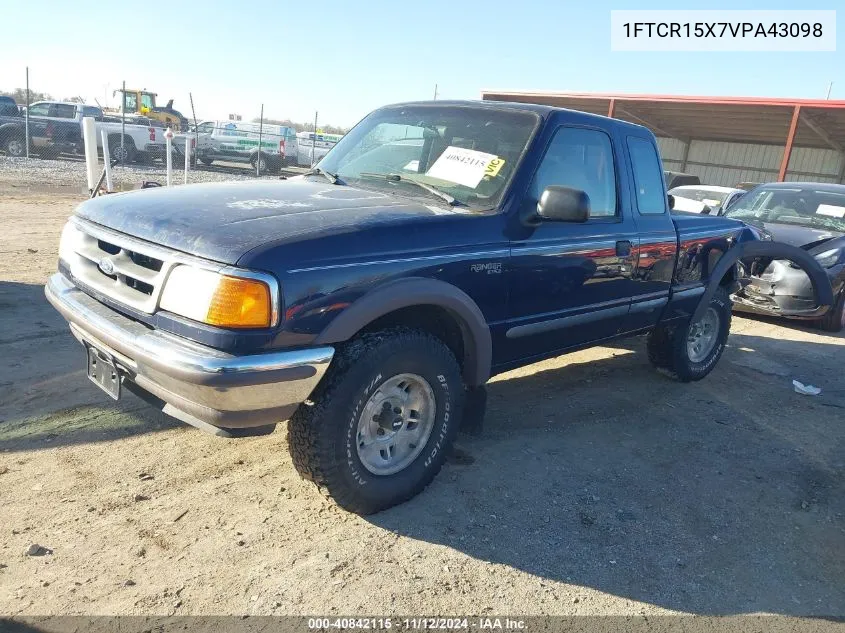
x=143 y=138
x=47 y=137
x=367 y=301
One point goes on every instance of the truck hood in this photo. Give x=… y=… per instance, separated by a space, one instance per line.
x=223 y=221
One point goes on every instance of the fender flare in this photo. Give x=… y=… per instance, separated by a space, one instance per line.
x=9 y=129
x=411 y=291
x=777 y=250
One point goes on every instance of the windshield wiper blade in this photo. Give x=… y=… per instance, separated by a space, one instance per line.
x=319 y=171
x=453 y=202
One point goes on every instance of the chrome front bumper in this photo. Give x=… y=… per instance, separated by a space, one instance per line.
x=198 y=385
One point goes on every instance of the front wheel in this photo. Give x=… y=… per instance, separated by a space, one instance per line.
x=834 y=320
x=15 y=146
x=379 y=426
x=689 y=352
x=259 y=162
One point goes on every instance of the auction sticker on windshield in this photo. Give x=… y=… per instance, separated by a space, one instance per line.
x=463 y=166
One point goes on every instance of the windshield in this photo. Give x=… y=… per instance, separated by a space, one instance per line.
x=710 y=198
x=467 y=152
x=802 y=206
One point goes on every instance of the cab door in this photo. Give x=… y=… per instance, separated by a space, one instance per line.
x=655 y=256
x=571 y=283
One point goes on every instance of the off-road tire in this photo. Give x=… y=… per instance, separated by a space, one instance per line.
x=667 y=345
x=323 y=431
x=834 y=320
x=206 y=161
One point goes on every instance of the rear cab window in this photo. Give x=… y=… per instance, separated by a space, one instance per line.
x=64 y=111
x=39 y=109
x=649 y=185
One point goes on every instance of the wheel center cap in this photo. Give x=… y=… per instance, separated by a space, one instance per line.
x=388 y=418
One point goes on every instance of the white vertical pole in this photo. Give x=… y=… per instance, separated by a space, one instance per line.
x=89 y=136
x=168 y=137
x=187 y=156
x=107 y=159
x=26 y=114
x=314 y=144
x=260 y=132
x=122 y=123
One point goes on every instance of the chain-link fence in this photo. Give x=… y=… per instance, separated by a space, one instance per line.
x=132 y=129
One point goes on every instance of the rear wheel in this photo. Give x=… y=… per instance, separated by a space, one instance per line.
x=207 y=161
x=690 y=351
x=123 y=153
x=259 y=162
x=378 y=428
x=834 y=320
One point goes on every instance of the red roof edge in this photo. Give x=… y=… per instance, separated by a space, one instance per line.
x=750 y=101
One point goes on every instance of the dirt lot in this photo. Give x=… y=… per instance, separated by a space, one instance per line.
x=599 y=487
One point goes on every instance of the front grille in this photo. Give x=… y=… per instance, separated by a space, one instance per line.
x=126 y=270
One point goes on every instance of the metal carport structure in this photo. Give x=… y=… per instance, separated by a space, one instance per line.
x=725 y=140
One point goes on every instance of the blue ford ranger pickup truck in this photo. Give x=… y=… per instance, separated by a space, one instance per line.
x=366 y=301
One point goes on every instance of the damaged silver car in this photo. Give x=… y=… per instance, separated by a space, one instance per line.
x=807 y=215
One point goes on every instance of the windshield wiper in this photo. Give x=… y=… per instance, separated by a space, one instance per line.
x=319 y=171
x=453 y=202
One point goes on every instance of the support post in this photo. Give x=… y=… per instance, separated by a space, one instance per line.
x=107 y=160
x=89 y=137
x=122 y=124
x=787 y=150
x=611 y=108
x=168 y=139
x=687 y=143
x=314 y=144
x=187 y=156
x=26 y=114
x=260 y=131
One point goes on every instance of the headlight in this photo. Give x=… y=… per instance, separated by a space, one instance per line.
x=218 y=299
x=70 y=241
x=829 y=258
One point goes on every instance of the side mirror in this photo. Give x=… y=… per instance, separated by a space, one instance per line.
x=671 y=200
x=562 y=204
x=706 y=210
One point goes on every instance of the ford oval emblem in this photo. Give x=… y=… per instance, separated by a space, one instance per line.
x=106 y=265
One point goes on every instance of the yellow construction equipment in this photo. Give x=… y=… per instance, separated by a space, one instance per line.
x=143 y=102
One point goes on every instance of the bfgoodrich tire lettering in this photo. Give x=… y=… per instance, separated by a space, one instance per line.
x=324 y=432
x=669 y=349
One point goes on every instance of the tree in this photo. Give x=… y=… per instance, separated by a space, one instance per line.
x=19 y=95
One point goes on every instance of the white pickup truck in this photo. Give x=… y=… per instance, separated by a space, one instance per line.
x=143 y=138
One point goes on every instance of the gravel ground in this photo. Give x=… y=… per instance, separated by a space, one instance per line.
x=599 y=487
x=46 y=174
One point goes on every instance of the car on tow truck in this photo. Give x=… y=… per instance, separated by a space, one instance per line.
x=369 y=300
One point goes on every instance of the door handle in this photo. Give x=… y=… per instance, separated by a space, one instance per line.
x=623 y=248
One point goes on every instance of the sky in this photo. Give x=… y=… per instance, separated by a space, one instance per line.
x=344 y=59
